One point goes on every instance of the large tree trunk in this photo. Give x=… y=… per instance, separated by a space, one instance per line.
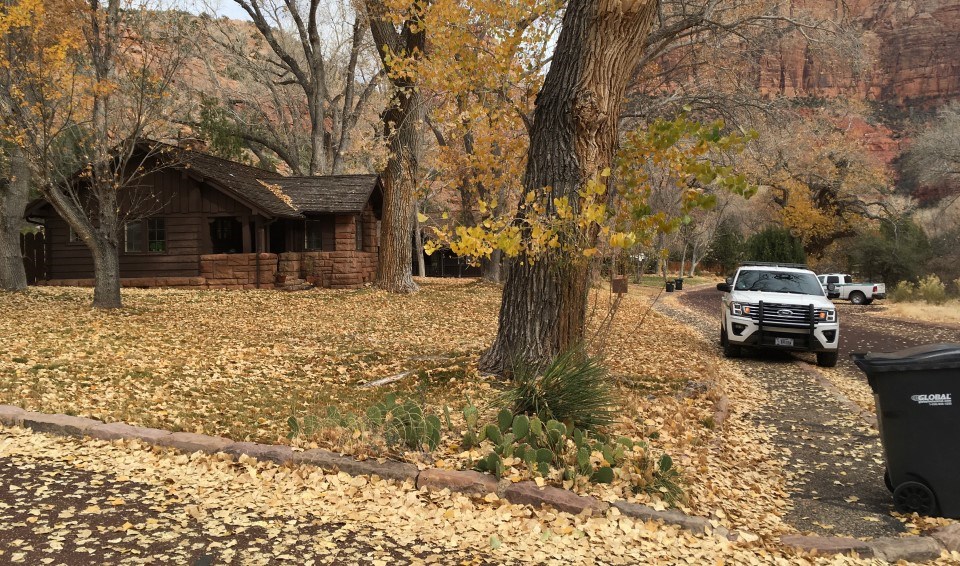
x=14 y=194
x=395 y=263
x=403 y=122
x=574 y=137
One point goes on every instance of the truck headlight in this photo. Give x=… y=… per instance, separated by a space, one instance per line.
x=827 y=315
x=740 y=309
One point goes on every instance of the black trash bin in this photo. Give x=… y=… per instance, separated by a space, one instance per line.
x=678 y=282
x=917 y=394
x=669 y=286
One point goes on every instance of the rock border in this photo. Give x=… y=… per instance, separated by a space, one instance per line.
x=468 y=482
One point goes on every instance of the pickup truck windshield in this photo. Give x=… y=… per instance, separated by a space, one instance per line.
x=778 y=282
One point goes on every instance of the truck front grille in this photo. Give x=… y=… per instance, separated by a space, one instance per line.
x=792 y=316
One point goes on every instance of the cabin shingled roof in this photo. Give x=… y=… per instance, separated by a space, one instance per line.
x=239 y=178
x=328 y=193
x=319 y=194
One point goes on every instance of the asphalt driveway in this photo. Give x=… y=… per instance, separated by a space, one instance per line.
x=836 y=458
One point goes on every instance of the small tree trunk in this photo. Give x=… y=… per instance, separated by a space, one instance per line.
x=683 y=260
x=318 y=150
x=106 y=270
x=490 y=267
x=694 y=260
x=418 y=241
x=14 y=194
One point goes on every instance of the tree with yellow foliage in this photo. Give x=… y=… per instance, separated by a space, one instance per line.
x=38 y=40
x=87 y=83
x=480 y=80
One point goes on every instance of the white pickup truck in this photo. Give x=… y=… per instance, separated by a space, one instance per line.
x=778 y=306
x=842 y=286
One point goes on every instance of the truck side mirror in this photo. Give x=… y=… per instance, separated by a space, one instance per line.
x=725 y=287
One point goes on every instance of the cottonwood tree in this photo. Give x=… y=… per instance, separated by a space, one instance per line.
x=572 y=141
x=304 y=88
x=82 y=123
x=400 y=36
x=822 y=183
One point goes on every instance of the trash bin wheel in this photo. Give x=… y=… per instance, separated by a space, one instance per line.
x=887 y=481
x=914 y=497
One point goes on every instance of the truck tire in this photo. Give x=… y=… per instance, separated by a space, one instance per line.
x=858 y=298
x=827 y=359
x=729 y=350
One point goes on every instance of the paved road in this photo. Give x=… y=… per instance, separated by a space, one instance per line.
x=836 y=458
x=54 y=511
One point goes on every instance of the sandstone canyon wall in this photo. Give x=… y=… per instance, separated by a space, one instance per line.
x=907 y=55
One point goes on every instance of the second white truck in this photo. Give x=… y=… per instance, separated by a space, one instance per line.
x=842 y=286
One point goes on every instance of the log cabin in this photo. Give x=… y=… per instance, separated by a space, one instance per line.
x=199 y=221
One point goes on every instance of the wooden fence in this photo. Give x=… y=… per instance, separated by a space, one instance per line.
x=34 y=256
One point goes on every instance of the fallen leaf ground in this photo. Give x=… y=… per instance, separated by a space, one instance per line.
x=240 y=363
x=78 y=502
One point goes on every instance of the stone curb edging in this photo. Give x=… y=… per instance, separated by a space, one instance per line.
x=473 y=483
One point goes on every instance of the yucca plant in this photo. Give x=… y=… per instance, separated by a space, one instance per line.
x=573 y=389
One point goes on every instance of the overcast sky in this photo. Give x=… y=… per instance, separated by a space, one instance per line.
x=221 y=7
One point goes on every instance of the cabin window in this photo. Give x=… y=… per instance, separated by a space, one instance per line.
x=133 y=236
x=319 y=235
x=359 y=229
x=156 y=235
x=72 y=236
x=226 y=235
x=145 y=236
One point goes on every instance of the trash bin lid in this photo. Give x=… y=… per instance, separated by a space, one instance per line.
x=927 y=357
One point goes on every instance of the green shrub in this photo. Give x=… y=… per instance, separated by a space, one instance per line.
x=573 y=389
x=931 y=290
x=775 y=244
x=902 y=292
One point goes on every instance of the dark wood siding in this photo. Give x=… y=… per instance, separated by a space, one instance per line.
x=186 y=207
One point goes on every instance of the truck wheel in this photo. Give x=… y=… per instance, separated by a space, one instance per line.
x=729 y=350
x=857 y=298
x=827 y=359
x=914 y=497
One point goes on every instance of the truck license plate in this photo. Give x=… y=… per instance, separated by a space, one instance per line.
x=784 y=342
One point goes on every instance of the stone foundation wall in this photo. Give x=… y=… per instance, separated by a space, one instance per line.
x=338 y=270
x=238 y=271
